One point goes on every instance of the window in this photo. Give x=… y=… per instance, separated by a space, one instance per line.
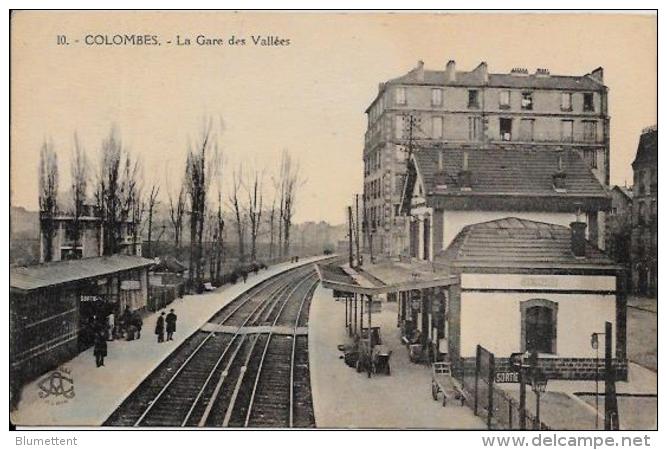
x=527 y=129
x=474 y=128
x=527 y=100
x=473 y=98
x=504 y=100
x=538 y=325
x=398 y=127
x=436 y=97
x=588 y=102
x=640 y=214
x=591 y=157
x=590 y=131
x=400 y=96
x=437 y=127
x=505 y=129
x=567 y=130
x=566 y=101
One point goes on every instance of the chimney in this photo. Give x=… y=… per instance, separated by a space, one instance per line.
x=559 y=176
x=482 y=71
x=440 y=175
x=540 y=72
x=578 y=239
x=450 y=72
x=419 y=70
x=465 y=176
x=598 y=75
x=519 y=72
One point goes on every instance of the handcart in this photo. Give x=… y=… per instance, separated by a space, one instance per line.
x=443 y=382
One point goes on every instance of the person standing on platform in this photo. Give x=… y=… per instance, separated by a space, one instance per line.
x=171 y=324
x=159 y=328
x=100 y=349
x=138 y=322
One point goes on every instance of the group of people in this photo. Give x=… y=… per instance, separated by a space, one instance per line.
x=170 y=322
x=132 y=322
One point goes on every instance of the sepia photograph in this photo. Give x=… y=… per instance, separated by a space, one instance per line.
x=341 y=220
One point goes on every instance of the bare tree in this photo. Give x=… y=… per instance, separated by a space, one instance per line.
x=151 y=202
x=254 y=208
x=237 y=182
x=289 y=182
x=118 y=194
x=197 y=183
x=177 y=206
x=79 y=184
x=48 y=196
x=272 y=233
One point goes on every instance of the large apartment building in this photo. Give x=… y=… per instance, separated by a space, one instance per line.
x=474 y=110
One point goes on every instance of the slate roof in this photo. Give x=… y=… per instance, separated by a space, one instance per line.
x=60 y=272
x=626 y=191
x=531 y=81
x=647 y=150
x=518 y=171
x=169 y=264
x=518 y=242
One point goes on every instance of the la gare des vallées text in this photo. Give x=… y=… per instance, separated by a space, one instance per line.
x=201 y=40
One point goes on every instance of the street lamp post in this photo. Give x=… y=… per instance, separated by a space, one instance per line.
x=596 y=345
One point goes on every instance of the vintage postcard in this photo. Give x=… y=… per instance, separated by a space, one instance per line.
x=333 y=220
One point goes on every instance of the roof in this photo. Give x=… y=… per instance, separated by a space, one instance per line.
x=531 y=81
x=380 y=278
x=521 y=171
x=519 y=242
x=169 y=264
x=626 y=191
x=60 y=272
x=647 y=150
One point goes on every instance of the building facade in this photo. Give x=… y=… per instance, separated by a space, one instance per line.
x=89 y=243
x=476 y=110
x=619 y=225
x=644 y=252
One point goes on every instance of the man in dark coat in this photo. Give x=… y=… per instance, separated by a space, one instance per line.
x=100 y=349
x=138 y=322
x=171 y=325
x=159 y=327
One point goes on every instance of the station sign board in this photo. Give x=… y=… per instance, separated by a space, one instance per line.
x=506 y=377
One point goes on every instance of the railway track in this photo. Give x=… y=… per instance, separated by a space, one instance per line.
x=247 y=367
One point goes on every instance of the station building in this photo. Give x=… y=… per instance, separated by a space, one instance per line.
x=448 y=189
x=54 y=306
x=511 y=285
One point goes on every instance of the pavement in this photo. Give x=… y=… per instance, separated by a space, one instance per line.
x=343 y=398
x=565 y=406
x=99 y=391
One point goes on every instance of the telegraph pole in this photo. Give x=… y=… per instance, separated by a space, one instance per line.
x=357 y=230
x=349 y=232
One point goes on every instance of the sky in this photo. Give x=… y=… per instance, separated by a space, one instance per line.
x=308 y=97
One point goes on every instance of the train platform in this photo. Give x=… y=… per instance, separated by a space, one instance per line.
x=97 y=392
x=343 y=398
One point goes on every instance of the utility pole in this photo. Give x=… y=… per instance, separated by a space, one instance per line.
x=611 y=421
x=349 y=232
x=357 y=229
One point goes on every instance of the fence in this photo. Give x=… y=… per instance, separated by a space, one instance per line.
x=499 y=408
x=161 y=296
